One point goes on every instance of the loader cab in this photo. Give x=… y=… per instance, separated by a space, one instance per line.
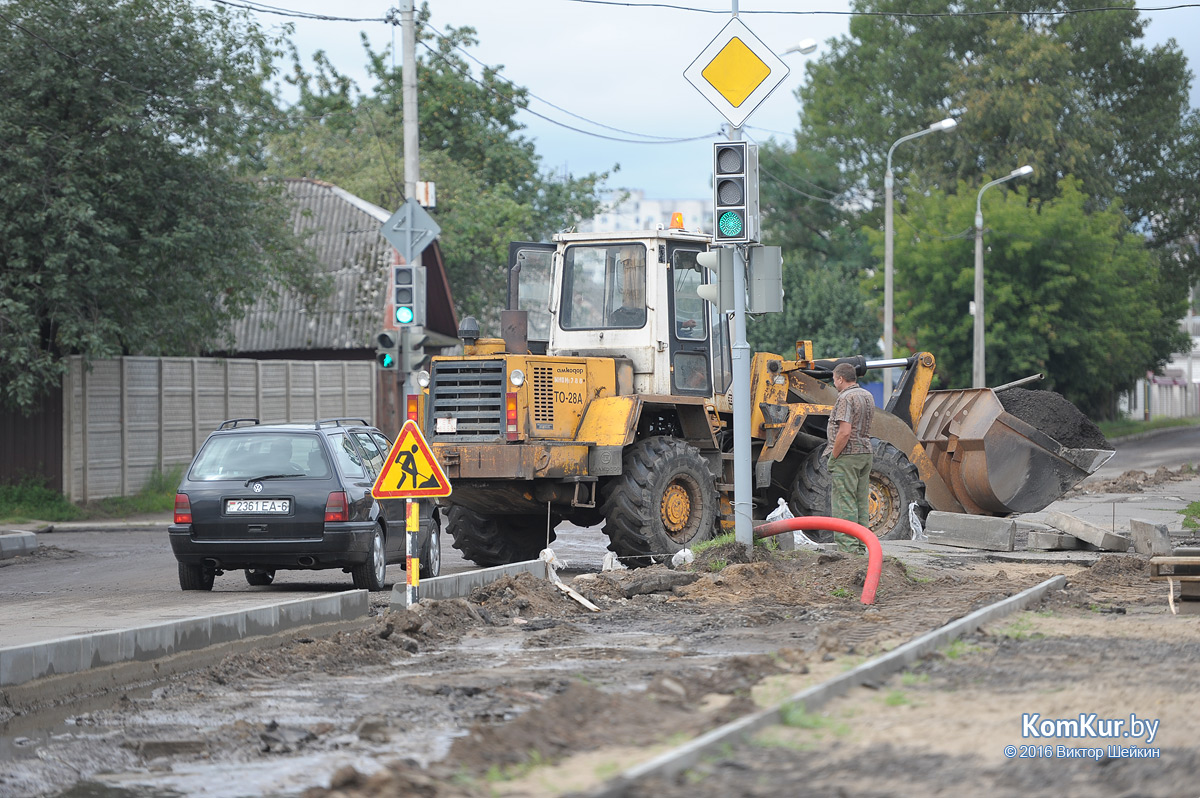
x=628 y=295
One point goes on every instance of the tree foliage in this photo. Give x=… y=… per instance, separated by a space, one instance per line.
x=1069 y=293
x=825 y=259
x=127 y=222
x=490 y=186
x=1104 y=121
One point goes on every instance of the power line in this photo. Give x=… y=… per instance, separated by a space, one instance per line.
x=665 y=139
x=892 y=14
x=250 y=5
x=467 y=74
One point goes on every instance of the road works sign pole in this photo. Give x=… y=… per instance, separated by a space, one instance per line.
x=411 y=472
x=735 y=73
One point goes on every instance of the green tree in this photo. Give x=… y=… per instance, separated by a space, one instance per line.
x=127 y=221
x=825 y=259
x=1071 y=293
x=1070 y=94
x=490 y=186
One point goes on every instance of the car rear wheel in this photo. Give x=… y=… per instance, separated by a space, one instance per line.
x=259 y=577
x=431 y=554
x=195 y=577
x=370 y=575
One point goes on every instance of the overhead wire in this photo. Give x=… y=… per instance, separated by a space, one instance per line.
x=895 y=14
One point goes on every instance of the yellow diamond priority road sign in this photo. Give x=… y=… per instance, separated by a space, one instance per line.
x=736 y=72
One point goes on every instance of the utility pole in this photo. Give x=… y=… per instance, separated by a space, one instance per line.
x=412 y=164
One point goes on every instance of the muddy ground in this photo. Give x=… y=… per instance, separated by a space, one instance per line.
x=521 y=691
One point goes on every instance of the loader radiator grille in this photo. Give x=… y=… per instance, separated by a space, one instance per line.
x=472 y=393
x=543 y=395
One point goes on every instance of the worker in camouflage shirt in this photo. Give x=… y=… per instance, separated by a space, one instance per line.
x=849 y=452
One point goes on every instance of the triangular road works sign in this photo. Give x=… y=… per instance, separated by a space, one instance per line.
x=411 y=470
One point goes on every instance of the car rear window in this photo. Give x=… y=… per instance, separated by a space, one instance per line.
x=259 y=454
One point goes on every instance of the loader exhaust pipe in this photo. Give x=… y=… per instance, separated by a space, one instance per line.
x=817 y=522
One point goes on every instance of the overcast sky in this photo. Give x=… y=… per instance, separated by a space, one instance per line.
x=621 y=66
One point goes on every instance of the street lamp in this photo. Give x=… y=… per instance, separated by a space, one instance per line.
x=805 y=47
x=977 y=370
x=888 y=247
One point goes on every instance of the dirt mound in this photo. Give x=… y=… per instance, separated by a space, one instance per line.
x=1051 y=413
x=1115 y=569
x=1134 y=481
x=521 y=595
x=398 y=778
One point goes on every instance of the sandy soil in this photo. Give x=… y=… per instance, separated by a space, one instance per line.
x=521 y=691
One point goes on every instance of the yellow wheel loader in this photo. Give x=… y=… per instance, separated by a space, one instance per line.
x=607 y=398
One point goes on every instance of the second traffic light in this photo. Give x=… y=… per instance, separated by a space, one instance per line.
x=387 y=349
x=719 y=289
x=735 y=192
x=409 y=298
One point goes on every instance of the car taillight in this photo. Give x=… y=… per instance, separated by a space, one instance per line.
x=510 y=408
x=336 y=507
x=183 y=509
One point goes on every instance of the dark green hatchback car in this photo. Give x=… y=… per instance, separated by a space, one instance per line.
x=270 y=497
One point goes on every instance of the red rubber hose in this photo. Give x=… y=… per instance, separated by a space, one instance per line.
x=817 y=522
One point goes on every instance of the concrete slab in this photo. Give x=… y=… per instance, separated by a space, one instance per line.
x=1150 y=538
x=16 y=543
x=1089 y=533
x=971 y=531
x=1051 y=540
x=20 y=664
x=461 y=585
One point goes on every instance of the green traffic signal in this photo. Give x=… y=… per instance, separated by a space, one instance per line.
x=730 y=224
x=404 y=314
x=386 y=360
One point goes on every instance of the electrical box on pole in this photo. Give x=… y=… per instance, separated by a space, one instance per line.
x=719 y=289
x=735 y=192
x=764 y=282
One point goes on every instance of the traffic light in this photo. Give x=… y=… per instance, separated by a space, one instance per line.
x=386 y=349
x=412 y=352
x=735 y=192
x=409 y=298
x=720 y=290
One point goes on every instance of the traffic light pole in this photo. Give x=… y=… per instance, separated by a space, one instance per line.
x=743 y=502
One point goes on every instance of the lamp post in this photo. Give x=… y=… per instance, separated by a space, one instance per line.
x=888 y=246
x=805 y=47
x=978 y=368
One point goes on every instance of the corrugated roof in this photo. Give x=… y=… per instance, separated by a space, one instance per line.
x=343 y=230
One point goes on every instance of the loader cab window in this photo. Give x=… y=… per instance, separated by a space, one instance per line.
x=534 y=297
x=604 y=287
x=690 y=313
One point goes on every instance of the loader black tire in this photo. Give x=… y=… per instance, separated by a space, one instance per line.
x=895 y=484
x=488 y=540
x=665 y=500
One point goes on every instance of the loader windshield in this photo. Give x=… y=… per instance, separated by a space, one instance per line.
x=604 y=287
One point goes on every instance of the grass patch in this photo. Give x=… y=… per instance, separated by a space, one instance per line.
x=1128 y=426
x=896 y=698
x=910 y=679
x=718 y=565
x=1191 y=515
x=31 y=500
x=961 y=648
x=712 y=543
x=1021 y=629
x=796 y=716
x=536 y=760
x=840 y=592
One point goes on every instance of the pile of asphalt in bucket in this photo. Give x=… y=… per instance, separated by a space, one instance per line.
x=1052 y=414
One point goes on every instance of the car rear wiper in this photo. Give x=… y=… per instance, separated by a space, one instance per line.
x=246 y=484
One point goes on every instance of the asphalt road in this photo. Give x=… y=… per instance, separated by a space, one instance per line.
x=85 y=581
x=1172 y=448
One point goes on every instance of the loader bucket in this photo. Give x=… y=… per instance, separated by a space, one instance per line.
x=994 y=462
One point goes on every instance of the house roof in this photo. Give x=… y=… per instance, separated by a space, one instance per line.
x=344 y=232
